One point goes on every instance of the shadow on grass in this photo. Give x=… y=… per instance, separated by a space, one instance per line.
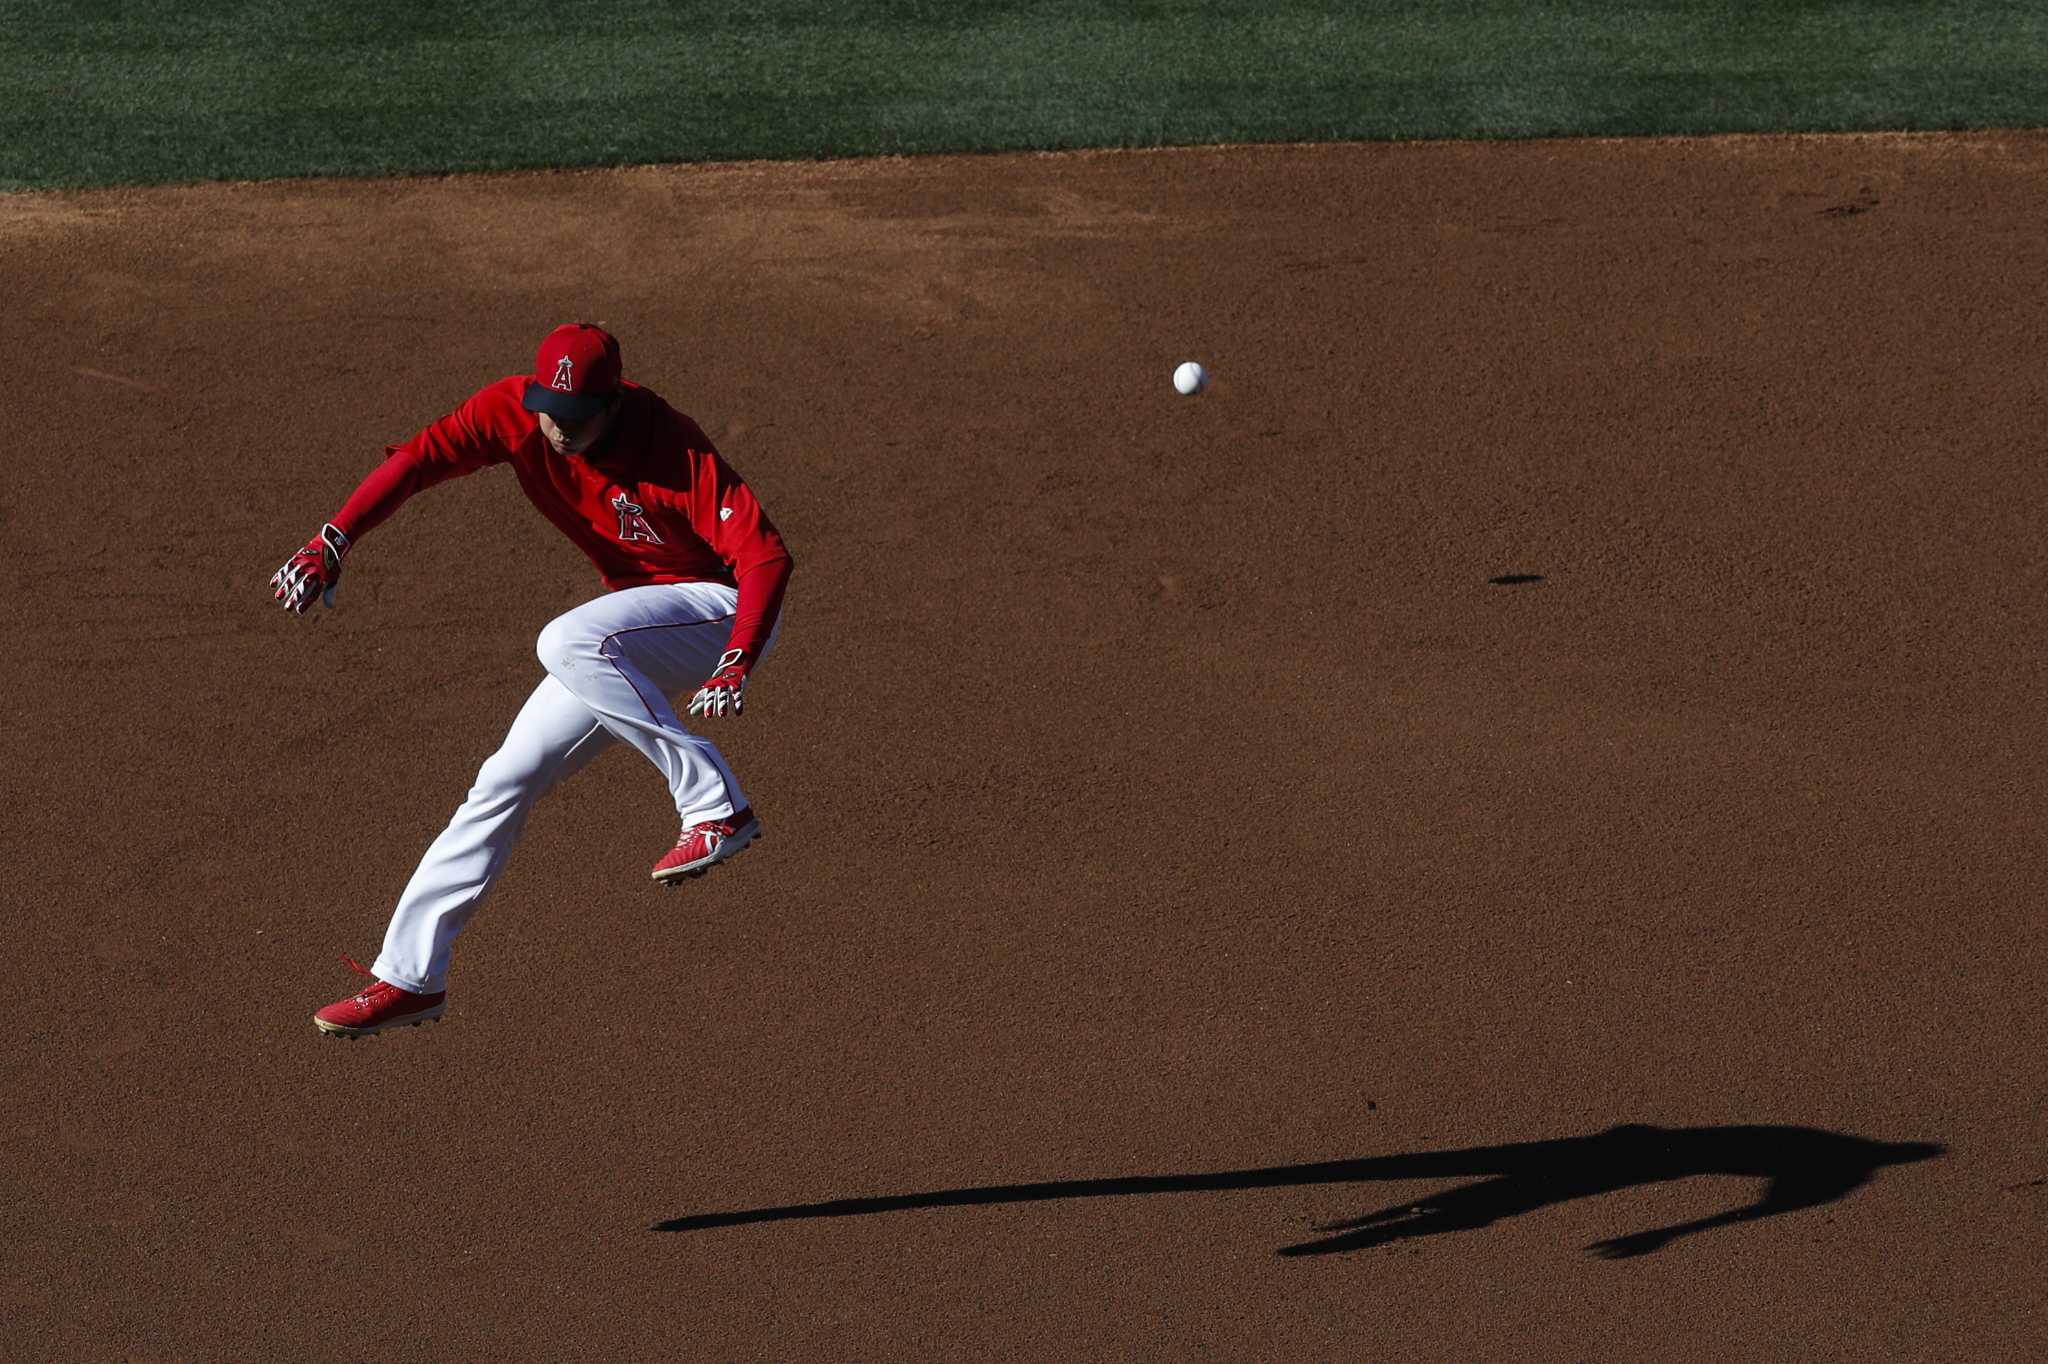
x=1803 y=1167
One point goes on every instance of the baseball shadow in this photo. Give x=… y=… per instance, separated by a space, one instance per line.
x=1803 y=1167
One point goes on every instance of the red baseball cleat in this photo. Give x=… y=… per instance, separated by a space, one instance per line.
x=381 y=1006
x=702 y=845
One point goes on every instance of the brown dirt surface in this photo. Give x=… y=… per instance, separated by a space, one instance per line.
x=1204 y=914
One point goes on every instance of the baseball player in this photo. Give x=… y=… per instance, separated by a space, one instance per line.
x=695 y=574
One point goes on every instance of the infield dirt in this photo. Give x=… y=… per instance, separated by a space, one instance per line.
x=1554 y=738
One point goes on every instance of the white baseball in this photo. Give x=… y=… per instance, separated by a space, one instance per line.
x=1190 y=378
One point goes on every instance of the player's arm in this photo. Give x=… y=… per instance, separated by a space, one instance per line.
x=727 y=516
x=462 y=442
x=1788 y=1192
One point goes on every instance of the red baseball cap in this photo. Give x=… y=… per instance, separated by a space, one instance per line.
x=575 y=373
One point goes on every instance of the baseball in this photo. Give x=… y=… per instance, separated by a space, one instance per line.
x=1190 y=378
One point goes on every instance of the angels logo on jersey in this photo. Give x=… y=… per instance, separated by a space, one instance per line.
x=633 y=525
x=561 y=379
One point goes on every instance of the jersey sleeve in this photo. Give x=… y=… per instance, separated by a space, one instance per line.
x=471 y=437
x=728 y=517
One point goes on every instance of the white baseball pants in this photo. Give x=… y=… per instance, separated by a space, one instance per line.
x=612 y=665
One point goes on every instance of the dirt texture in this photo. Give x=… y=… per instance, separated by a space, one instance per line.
x=1375 y=861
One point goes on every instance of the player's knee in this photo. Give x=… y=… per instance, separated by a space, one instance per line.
x=513 y=773
x=496 y=781
x=559 y=645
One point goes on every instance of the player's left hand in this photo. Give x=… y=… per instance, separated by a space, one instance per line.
x=726 y=692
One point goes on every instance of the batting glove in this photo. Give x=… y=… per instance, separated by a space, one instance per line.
x=726 y=692
x=310 y=573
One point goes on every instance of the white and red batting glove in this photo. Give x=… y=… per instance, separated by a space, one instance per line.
x=726 y=692
x=310 y=573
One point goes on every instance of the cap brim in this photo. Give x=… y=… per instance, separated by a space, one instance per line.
x=563 y=407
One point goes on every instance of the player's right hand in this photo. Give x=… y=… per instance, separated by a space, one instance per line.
x=314 y=570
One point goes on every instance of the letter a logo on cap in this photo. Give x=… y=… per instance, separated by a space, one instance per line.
x=575 y=373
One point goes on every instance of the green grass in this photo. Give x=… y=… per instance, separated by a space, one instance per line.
x=147 y=91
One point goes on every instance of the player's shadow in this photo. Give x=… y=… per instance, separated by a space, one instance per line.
x=1803 y=1167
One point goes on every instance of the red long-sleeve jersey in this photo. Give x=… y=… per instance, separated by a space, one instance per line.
x=652 y=502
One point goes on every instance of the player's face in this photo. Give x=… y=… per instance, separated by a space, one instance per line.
x=573 y=438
